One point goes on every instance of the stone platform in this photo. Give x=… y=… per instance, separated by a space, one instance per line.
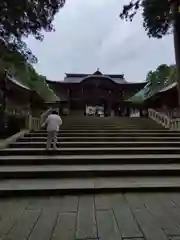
x=128 y=216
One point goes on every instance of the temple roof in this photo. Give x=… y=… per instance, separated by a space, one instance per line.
x=97 y=72
x=143 y=94
x=78 y=77
x=39 y=87
x=82 y=75
x=17 y=83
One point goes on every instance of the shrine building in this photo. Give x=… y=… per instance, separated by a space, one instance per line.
x=79 y=93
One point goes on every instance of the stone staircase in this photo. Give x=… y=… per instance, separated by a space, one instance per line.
x=95 y=155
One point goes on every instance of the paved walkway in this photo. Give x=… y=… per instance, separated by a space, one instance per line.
x=132 y=216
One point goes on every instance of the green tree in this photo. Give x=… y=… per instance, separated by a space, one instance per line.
x=160 y=17
x=19 y=19
x=157 y=16
x=172 y=75
x=152 y=82
x=159 y=78
x=162 y=73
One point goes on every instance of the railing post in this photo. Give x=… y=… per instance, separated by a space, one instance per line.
x=29 y=121
x=168 y=123
x=178 y=124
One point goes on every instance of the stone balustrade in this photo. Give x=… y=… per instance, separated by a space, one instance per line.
x=164 y=120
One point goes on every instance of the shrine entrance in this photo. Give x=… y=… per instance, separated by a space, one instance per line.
x=97 y=107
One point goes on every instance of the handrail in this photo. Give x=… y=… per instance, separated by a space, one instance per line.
x=34 y=123
x=45 y=114
x=164 y=120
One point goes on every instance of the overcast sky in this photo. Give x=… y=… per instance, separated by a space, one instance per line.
x=89 y=35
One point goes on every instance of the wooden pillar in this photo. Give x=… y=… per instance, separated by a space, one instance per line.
x=29 y=115
x=69 y=100
x=110 y=103
x=83 y=101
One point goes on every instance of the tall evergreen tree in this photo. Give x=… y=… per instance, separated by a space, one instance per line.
x=21 y=18
x=160 y=17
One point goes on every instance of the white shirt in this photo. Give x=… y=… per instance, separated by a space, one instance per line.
x=53 y=122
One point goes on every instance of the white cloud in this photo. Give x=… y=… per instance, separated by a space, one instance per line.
x=90 y=34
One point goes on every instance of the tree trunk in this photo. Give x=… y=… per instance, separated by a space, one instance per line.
x=177 y=45
x=3 y=114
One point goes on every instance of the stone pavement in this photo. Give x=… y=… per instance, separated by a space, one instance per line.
x=129 y=216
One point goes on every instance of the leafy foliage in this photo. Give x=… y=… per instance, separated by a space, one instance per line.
x=157 y=17
x=38 y=83
x=163 y=76
x=21 y=18
x=156 y=80
x=130 y=10
x=25 y=74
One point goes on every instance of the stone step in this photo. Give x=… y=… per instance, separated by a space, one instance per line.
x=115 y=126
x=139 y=122
x=60 y=145
x=110 y=131
x=80 y=171
x=91 y=151
x=100 y=122
x=99 y=139
x=94 y=155
x=105 y=134
x=101 y=127
x=87 y=185
x=121 y=124
x=94 y=119
x=51 y=159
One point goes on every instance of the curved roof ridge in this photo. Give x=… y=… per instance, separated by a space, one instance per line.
x=17 y=82
x=98 y=76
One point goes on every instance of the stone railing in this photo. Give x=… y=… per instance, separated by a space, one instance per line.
x=32 y=123
x=175 y=124
x=164 y=120
x=36 y=124
x=44 y=115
